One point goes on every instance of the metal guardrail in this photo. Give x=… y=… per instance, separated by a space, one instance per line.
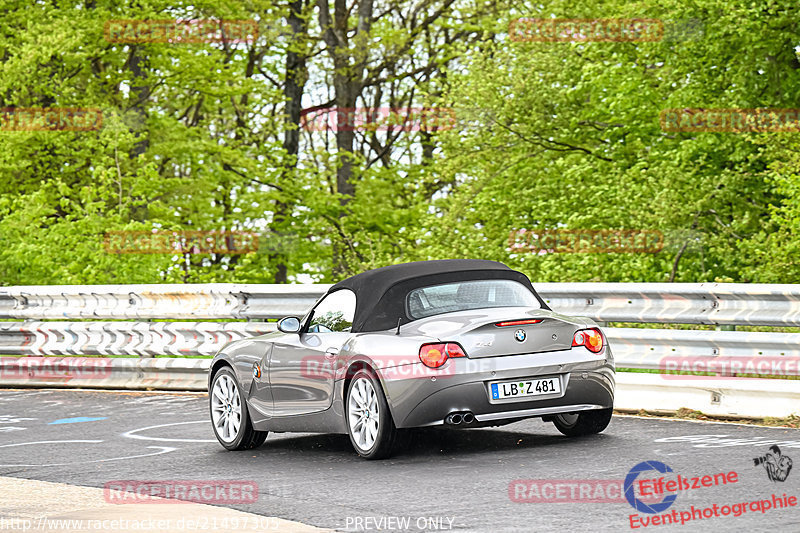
x=150 y=302
x=666 y=349
x=683 y=303
x=108 y=334
x=145 y=339
x=678 y=303
x=99 y=373
x=738 y=397
x=633 y=348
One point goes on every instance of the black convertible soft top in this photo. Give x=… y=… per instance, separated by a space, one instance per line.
x=381 y=293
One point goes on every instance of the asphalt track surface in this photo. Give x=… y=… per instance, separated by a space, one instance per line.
x=444 y=480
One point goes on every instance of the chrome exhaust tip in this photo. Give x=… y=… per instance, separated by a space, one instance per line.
x=468 y=418
x=454 y=419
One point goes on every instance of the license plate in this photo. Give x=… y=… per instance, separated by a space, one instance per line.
x=524 y=388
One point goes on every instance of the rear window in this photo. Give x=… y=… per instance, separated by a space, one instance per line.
x=465 y=295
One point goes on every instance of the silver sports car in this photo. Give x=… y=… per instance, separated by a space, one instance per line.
x=460 y=343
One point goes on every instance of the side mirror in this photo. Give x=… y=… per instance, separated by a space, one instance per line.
x=290 y=324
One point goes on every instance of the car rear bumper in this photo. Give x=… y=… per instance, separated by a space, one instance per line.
x=587 y=382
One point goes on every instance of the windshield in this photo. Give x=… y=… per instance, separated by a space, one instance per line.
x=465 y=295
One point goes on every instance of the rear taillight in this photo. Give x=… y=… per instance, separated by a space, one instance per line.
x=435 y=355
x=592 y=339
x=525 y=322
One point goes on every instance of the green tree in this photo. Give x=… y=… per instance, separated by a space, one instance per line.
x=571 y=138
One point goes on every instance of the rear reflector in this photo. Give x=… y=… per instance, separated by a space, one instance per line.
x=435 y=355
x=592 y=339
x=518 y=322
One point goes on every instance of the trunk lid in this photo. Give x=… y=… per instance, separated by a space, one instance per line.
x=476 y=330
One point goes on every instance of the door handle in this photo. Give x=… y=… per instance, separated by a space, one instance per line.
x=330 y=353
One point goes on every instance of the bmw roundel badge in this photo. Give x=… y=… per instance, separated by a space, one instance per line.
x=519 y=335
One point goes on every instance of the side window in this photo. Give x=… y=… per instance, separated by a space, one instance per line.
x=334 y=313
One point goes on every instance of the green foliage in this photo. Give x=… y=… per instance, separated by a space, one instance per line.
x=572 y=140
x=333 y=321
x=547 y=135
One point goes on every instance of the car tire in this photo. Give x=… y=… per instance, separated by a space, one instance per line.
x=229 y=416
x=583 y=423
x=371 y=438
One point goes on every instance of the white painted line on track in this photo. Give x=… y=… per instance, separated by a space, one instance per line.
x=48 y=442
x=163 y=450
x=132 y=434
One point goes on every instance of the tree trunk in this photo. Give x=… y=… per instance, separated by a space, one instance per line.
x=296 y=76
x=348 y=82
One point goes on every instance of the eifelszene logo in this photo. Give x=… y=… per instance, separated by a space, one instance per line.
x=669 y=487
x=638 y=504
x=776 y=464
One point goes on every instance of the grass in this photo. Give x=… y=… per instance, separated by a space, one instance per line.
x=709 y=374
x=703 y=327
x=791 y=421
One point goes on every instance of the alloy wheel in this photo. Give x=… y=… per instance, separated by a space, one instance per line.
x=226 y=408
x=364 y=414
